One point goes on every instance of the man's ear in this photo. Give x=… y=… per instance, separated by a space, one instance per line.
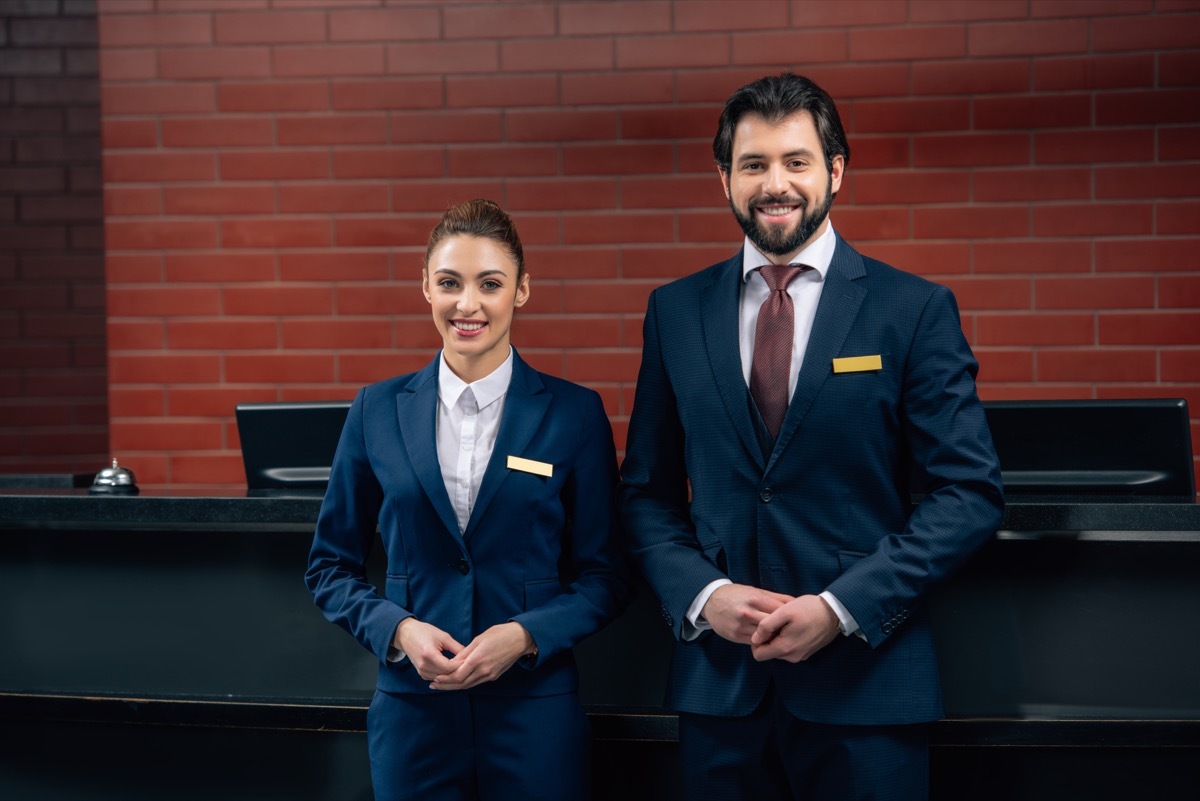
x=724 y=180
x=837 y=169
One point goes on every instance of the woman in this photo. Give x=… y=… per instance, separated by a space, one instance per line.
x=491 y=485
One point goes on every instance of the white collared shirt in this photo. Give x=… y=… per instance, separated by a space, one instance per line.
x=468 y=420
x=805 y=291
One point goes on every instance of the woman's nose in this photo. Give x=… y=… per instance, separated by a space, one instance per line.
x=468 y=302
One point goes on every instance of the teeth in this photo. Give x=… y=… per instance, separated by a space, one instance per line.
x=468 y=326
x=776 y=209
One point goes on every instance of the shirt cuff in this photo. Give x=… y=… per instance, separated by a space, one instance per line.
x=395 y=655
x=846 y=622
x=695 y=624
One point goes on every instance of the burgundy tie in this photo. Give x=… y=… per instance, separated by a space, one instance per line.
x=773 y=335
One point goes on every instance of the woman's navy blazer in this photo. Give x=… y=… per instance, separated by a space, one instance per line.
x=539 y=550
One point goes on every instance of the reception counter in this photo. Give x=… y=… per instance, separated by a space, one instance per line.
x=170 y=639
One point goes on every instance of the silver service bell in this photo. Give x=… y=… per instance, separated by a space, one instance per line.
x=115 y=480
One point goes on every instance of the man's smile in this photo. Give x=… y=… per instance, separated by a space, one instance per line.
x=775 y=211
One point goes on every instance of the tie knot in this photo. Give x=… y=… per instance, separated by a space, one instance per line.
x=778 y=276
x=468 y=403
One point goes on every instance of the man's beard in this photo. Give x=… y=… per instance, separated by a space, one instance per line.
x=778 y=240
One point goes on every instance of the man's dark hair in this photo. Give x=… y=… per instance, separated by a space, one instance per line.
x=774 y=98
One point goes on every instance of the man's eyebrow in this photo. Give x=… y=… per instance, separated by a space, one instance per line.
x=803 y=152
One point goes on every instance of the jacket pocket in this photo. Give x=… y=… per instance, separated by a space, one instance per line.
x=540 y=592
x=715 y=553
x=847 y=558
x=396 y=589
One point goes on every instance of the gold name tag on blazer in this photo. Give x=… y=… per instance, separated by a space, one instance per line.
x=530 y=466
x=857 y=364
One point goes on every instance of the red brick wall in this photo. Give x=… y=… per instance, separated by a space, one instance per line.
x=272 y=168
x=53 y=387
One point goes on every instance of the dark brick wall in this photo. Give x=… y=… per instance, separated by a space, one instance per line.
x=53 y=378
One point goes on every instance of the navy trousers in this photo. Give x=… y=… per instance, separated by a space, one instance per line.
x=769 y=755
x=455 y=745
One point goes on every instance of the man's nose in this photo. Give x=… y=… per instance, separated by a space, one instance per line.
x=775 y=181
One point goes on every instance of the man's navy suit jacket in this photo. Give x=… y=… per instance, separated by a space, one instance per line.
x=829 y=508
x=541 y=551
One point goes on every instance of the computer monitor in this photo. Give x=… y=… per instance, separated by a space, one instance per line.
x=289 y=444
x=1109 y=447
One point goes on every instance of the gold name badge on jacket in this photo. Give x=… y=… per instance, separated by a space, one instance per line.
x=857 y=364
x=530 y=466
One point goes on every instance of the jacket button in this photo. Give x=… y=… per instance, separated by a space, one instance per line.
x=765 y=495
x=463 y=566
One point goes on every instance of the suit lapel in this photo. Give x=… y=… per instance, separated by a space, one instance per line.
x=416 y=408
x=841 y=298
x=719 y=317
x=524 y=407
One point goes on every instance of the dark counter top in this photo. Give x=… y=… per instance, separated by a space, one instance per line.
x=1026 y=517
x=1095 y=518
x=68 y=509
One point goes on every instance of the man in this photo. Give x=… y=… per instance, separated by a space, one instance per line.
x=783 y=417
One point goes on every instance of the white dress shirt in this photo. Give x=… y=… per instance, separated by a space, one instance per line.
x=468 y=420
x=805 y=291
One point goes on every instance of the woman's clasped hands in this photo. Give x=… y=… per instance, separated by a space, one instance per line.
x=448 y=665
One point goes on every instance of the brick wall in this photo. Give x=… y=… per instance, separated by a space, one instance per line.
x=272 y=168
x=53 y=387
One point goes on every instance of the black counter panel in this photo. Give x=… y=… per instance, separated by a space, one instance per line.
x=129 y=621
